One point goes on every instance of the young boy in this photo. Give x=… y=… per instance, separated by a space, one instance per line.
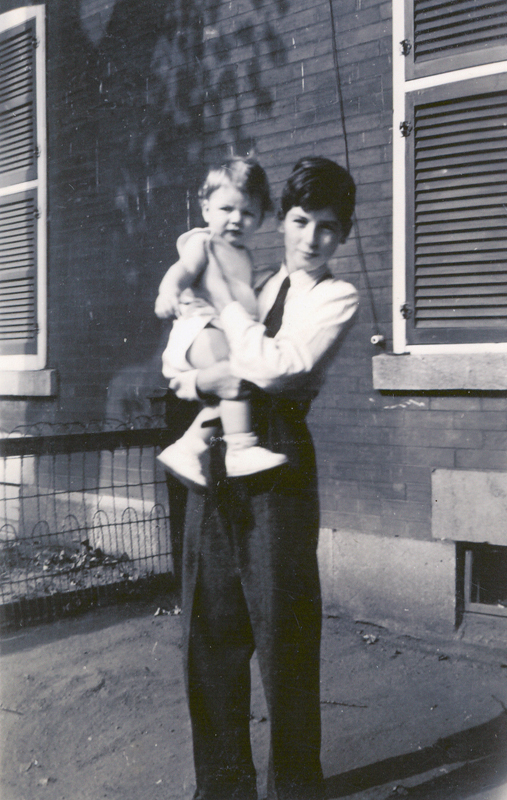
x=234 y=200
x=250 y=576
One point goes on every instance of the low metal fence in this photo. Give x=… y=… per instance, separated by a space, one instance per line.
x=84 y=517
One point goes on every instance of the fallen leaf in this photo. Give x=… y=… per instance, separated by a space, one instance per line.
x=45 y=781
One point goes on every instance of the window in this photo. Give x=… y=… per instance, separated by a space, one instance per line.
x=485 y=580
x=450 y=176
x=22 y=190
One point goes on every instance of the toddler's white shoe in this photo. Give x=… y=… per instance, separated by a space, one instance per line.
x=244 y=457
x=186 y=462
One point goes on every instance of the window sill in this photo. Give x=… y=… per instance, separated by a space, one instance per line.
x=409 y=372
x=30 y=383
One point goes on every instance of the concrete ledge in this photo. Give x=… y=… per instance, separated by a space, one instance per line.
x=32 y=383
x=403 y=584
x=469 y=505
x=476 y=371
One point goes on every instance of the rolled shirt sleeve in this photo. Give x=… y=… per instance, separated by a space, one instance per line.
x=315 y=314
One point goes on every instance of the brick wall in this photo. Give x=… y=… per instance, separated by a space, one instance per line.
x=138 y=105
x=375 y=451
x=110 y=234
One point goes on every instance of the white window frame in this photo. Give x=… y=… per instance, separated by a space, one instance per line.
x=401 y=87
x=21 y=363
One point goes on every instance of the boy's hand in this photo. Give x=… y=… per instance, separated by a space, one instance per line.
x=184 y=385
x=166 y=305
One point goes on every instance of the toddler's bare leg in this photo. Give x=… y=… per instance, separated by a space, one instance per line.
x=243 y=455
x=236 y=416
x=209 y=347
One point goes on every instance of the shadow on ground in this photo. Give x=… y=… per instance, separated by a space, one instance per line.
x=90 y=620
x=474 y=760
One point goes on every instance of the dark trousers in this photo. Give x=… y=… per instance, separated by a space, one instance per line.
x=250 y=581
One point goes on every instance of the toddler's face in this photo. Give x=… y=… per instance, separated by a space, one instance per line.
x=232 y=214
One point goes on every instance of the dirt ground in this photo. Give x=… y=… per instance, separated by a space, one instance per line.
x=94 y=707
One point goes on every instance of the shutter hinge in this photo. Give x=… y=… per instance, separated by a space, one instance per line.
x=405 y=128
x=406 y=47
x=36 y=213
x=36 y=151
x=405 y=311
x=35 y=42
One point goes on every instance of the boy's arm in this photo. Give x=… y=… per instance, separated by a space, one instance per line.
x=216 y=381
x=311 y=326
x=181 y=275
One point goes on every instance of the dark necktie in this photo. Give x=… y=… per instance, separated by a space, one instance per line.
x=274 y=316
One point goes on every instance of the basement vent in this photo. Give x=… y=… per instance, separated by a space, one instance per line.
x=486 y=580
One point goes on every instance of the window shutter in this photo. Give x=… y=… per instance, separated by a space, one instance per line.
x=18 y=261
x=19 y=258
x=18 y=143
x=448 y=35
x=457 y=213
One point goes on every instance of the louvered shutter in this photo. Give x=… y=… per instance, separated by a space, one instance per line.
x=18 y=210
x=457 y=213
x=18 y=273
x=18 y=144
x=445 y=35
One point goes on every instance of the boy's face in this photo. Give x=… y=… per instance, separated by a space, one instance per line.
x=232 y=214
x=311 y=237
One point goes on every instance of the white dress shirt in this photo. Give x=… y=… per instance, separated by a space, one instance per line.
x=314 y=315
x=315 y=312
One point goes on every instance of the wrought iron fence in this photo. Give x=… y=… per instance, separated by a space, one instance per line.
x=84 y=517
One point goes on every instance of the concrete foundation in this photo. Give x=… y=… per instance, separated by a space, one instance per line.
x=469 y=505
x=404 y=584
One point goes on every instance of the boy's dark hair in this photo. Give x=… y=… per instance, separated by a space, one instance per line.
x=244 y=173
x=317 y=182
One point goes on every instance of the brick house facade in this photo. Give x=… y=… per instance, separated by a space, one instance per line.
x=139 y=98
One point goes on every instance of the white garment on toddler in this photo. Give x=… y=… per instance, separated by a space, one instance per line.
x=196 y=310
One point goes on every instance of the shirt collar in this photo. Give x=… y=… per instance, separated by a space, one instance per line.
x=300 y=278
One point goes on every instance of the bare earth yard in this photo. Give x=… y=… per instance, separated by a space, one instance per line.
x=94 y=707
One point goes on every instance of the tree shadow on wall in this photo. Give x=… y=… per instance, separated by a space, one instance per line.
x=171 y=76
x=470 y=761
x=175 y=82
x=145 y=94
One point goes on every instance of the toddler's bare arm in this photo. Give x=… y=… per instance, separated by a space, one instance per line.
x=180 y=276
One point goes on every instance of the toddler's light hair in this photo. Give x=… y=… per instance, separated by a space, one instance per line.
x=246 y=174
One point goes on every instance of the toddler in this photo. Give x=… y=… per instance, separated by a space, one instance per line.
x=234 y=199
